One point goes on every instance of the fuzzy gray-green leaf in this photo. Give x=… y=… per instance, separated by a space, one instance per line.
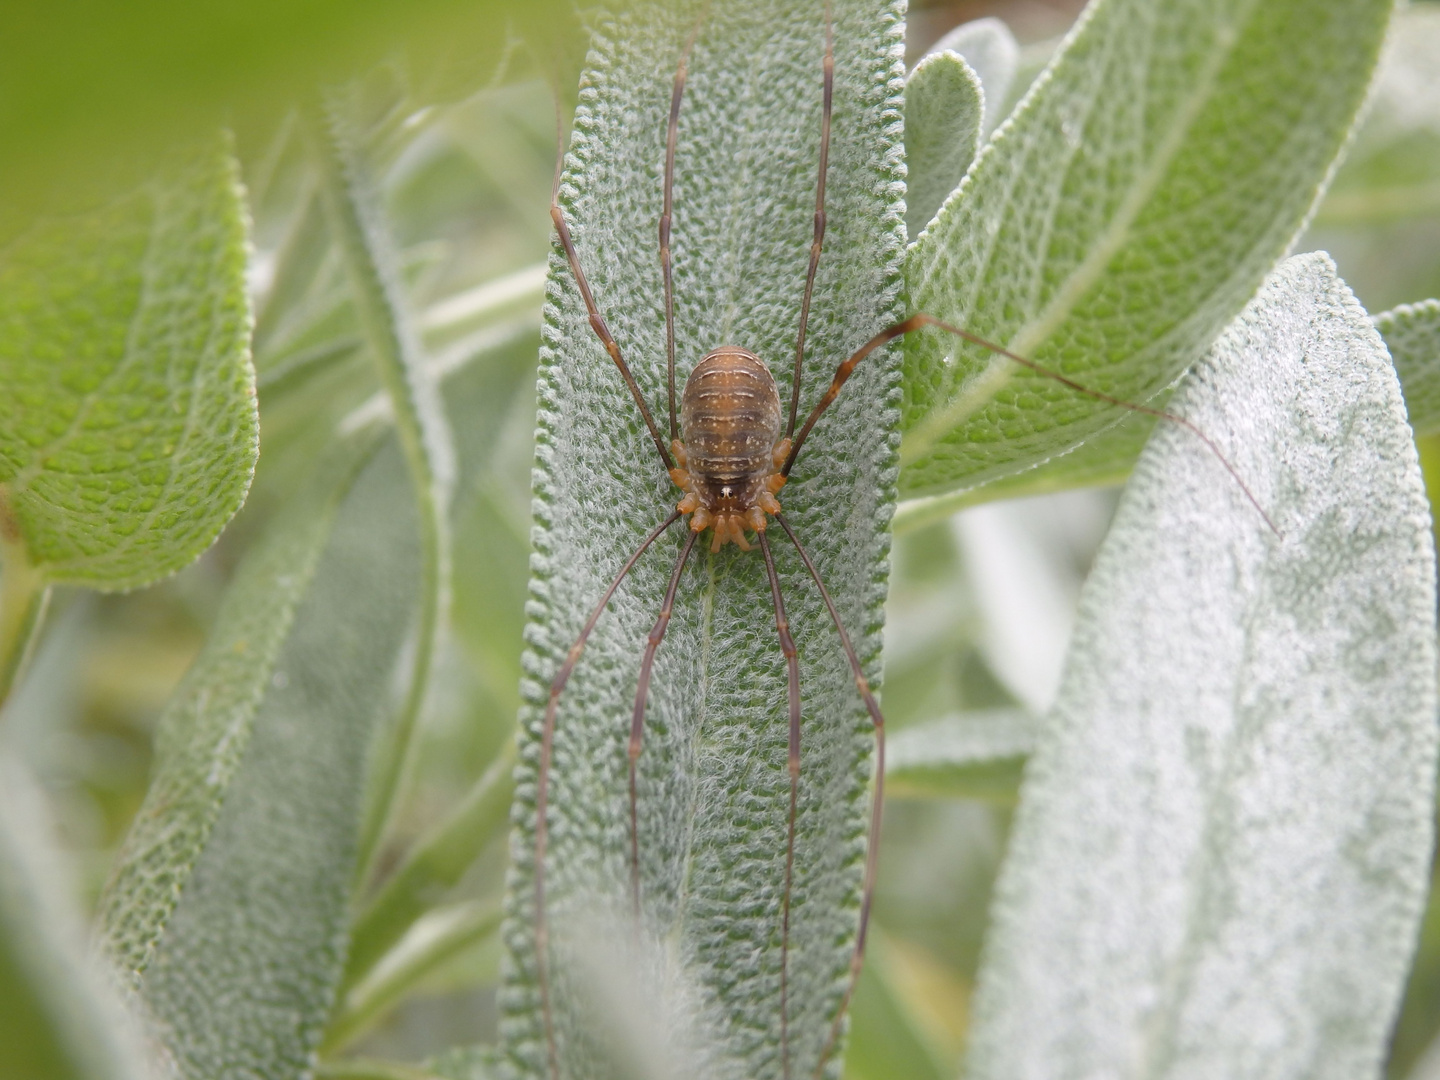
x=205 y=731
x=128 y=430
x=713 y=786
x=1412 y=334
x=1117 y=221
x=1223 y=845
x=944 y=105
x=244 y=977
x=992 y=52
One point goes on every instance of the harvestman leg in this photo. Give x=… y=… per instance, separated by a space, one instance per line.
x=792 y=675
x=542 y=784
x=637 y=721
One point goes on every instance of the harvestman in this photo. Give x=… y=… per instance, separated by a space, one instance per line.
x=727 y=456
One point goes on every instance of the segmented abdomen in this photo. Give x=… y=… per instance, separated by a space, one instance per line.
x=730 y=421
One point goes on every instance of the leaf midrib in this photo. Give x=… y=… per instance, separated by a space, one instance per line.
x=998 y=372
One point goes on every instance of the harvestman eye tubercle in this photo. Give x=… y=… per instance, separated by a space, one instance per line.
x=732 y=445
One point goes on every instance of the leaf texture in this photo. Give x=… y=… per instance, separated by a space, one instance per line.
x=206 y=729
x=128 y=432
x=1412 y=334
x=243 y=979
x=1117 y=221
x=944 y=105
x=1223 y=845
x=713 y=785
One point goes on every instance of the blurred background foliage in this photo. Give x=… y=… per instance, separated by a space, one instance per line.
x=459 y=101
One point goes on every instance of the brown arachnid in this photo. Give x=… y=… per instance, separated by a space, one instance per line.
x=732 y=444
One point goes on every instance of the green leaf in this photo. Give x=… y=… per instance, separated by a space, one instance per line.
x=57 y=1022
x=353 y=202
x=128 y=430
x=992 y=52
x=1412 y=334
x=244 y=977
x=713 y=783
x=1117 y=222
x=206 y=729
x=975 y=755
x=944 y=105
x=1223 y=844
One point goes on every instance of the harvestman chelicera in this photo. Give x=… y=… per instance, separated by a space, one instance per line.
x=728 y=458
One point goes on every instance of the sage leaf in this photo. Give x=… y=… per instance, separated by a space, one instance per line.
x=943 y=108
x=1223 y=844
x=244 y=977
x=971 y=755
x=713 y=783
x=128 y=429
x=57 y=1021
x=206 y=729
x=992 y=52
x=1117 y=221
x=1412 y=334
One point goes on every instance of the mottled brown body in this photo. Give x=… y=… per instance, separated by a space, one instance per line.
x=731 y=451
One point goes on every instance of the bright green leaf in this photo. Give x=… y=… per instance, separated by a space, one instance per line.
x=128 y=430
x=205 y=731
x=944 y=105
x=976 y=755
x=713 y=783
x=244 y=977
x=57 y=1022
x=1117 y=221
x=1412 y=334
x=1223 y=844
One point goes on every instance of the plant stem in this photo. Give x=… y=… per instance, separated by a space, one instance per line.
x=24 y=596
x=431 y=943
x=353 y=205
x=435 y=864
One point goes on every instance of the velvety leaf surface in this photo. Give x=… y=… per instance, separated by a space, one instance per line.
x=944 y=105
x=1224 y=839
x=713 y=786
x=1117 y=221
x=992 y=52
x=244 y=976
x=1412 y=334
x=205 y=731
x=128 y=431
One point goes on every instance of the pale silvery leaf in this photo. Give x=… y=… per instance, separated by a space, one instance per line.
x=992 y=52
x=1412 y=334
x=1223 y=845
x=713 y=785
x=1117 y=221
x=943 y=106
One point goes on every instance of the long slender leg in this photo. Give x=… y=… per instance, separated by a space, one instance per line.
x=792 y=675
x=597 y=323
x=872 y=849
x=637 y=720
x=672 y=132
x=542 y=788
x=826 y=110
x=920 y=319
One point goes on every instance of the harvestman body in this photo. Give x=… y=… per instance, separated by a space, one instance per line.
x=727 y=456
